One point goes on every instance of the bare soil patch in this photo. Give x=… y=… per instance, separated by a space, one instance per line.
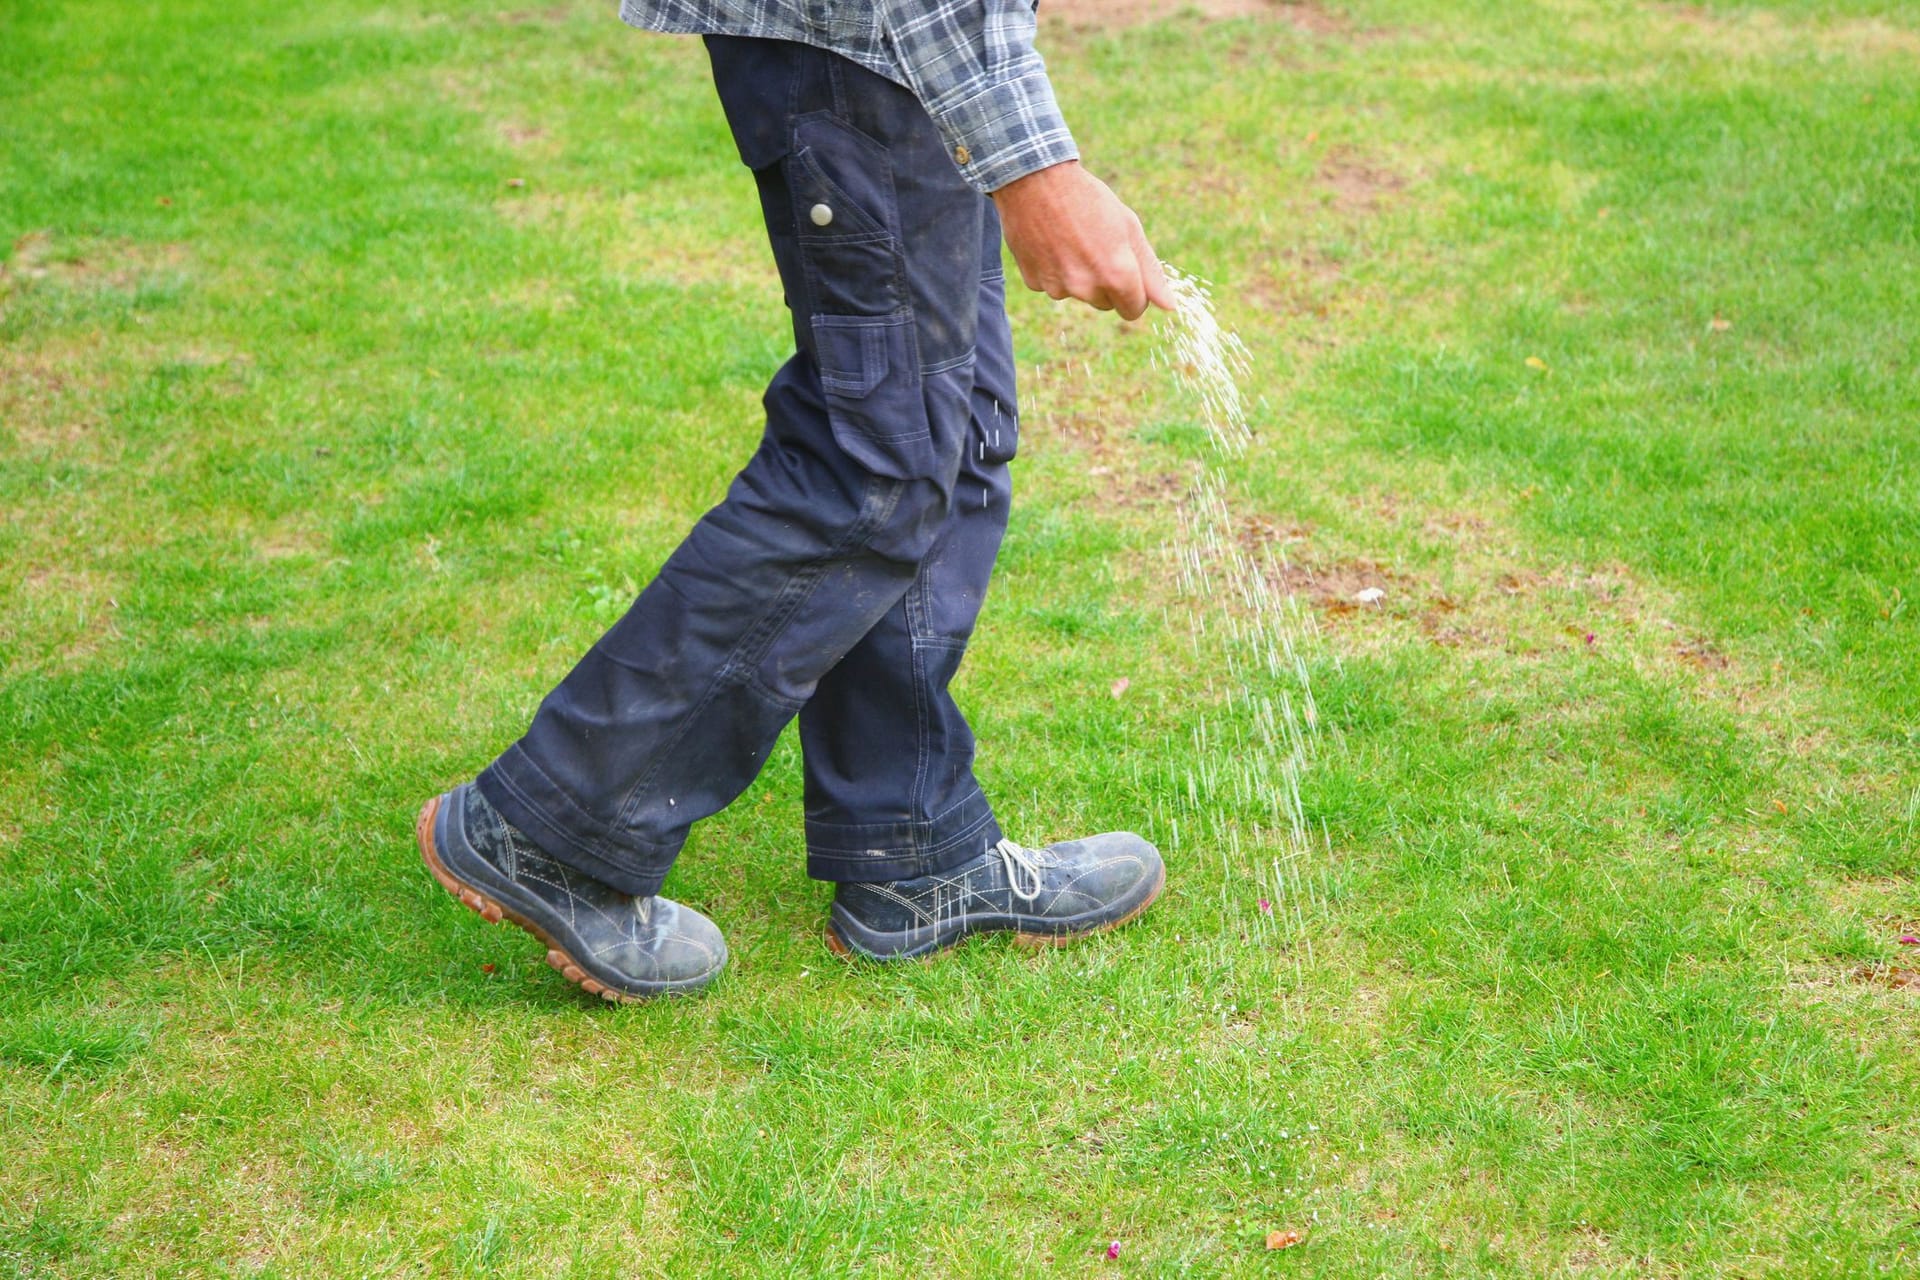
x=1762 y=34
x=1298 y=279
x=1699 y=651
x=35 y=406
x=288 y=542
x=1442 y=623
x=1343 y=586
x=1257 y=532
x=1153 y=490
x=51 y=396
x=551 y=16
x=42 y=257
x=1356 y=186
x=670 y=244
x=1485 y=601
x=1894 y=977
x=64 y=613
x=1458 y=526
x=1095 y=14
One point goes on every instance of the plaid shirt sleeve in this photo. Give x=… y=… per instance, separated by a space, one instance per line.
x=973 y=66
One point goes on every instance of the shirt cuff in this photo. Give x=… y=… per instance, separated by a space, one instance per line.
x=1006 y=131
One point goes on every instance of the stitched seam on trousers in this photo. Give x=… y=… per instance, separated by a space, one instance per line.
x=965 y=833
x=922 y=733
x=864 y=856
x=754 y=646
x=599 y=646
x=598 y=848
x=901 y=285
x=923 y=826
x=761 y=636
x=599 y=828
x=868 y=521
x=947 y=366
x=836 y=90
x=750 y=677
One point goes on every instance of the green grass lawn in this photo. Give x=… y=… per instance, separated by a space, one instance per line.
x=358 y=361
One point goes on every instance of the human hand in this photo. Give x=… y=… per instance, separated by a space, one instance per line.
x=1073 y=238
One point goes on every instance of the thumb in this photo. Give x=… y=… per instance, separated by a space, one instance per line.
x=1159 y=292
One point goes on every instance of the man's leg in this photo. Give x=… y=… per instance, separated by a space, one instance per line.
x=674 y=711
x=889 y=755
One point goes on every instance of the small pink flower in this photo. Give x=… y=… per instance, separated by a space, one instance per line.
x=1908 y=940
x=1589 y=637
x=1113 y=1250
x=1266 y=906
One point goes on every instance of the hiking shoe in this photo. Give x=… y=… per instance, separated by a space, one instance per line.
x=1044 y=896
x=614 y=945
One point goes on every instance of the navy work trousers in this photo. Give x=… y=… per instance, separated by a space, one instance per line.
x=840 y=577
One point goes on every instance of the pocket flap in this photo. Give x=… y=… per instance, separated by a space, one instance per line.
x=876 y=402
x=852 y=352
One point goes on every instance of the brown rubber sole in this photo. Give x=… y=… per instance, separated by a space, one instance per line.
x=1026 y=941
x=493 y=913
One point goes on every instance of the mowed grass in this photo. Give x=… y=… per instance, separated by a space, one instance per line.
x=358 y=362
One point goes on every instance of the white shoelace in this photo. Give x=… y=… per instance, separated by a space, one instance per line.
x=1018 y=858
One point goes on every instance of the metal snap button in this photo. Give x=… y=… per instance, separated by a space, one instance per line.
x=821 y=215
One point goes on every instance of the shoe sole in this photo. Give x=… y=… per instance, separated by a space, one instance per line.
x=493 y=913
x=1022 y=939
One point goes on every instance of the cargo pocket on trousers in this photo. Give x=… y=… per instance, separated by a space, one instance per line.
x=870 y=372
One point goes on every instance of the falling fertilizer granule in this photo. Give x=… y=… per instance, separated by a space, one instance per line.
x=1240 y=794
x=1209 y=362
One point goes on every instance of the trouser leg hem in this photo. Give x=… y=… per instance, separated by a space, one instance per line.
x=627 y=864
x=882 y=851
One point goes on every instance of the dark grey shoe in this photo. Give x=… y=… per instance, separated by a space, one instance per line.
x=1044 y=896
x=616 y=946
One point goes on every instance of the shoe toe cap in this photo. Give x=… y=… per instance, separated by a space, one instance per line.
x=1110 y=867
x=687 y=945
x=678 y=950
x=1118 y=849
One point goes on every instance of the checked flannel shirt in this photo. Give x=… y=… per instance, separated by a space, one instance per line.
x=970 y=62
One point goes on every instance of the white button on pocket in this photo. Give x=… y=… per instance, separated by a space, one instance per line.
x=821 y=215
